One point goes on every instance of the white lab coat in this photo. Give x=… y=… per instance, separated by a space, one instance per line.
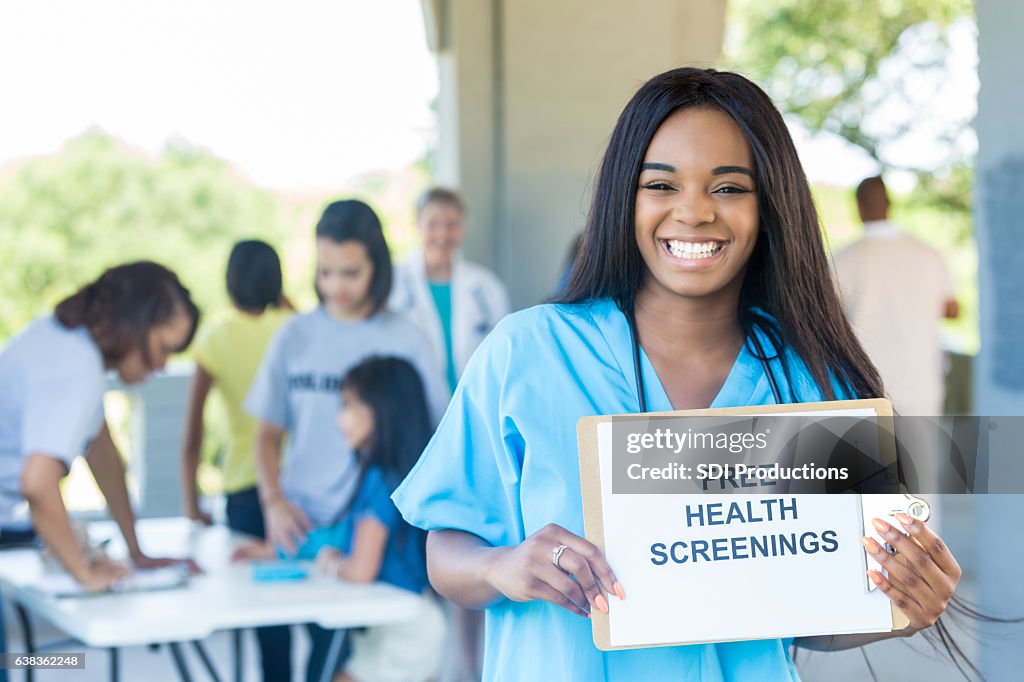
x=479 y=301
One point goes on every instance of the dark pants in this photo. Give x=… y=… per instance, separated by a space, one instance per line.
x=3 y=639
x=245 y=515
x=9 y=538
x=321 y=644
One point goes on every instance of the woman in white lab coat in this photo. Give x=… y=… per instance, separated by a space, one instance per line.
x=455 y=302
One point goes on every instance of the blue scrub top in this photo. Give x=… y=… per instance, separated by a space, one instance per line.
x=504 y=463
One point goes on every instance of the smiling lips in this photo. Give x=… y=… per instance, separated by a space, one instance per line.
x=693 y=250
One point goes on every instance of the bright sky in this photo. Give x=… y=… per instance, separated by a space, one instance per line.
x=297 y=94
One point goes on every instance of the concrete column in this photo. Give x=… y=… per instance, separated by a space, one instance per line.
x=999 y=379
x=530 y=93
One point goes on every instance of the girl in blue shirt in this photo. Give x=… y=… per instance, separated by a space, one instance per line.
x=384 y=417
x=701 y=281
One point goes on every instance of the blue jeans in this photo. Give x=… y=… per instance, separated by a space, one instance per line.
x=245 y=515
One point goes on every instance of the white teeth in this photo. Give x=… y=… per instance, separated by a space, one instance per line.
x=693 y=250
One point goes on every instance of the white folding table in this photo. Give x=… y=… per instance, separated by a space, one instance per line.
x=225 y=597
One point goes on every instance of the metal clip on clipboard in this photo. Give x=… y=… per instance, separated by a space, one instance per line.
x=886 y=507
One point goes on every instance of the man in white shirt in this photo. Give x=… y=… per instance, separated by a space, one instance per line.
x=896 y=290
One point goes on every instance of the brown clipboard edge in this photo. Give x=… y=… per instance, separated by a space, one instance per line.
x=593 y=510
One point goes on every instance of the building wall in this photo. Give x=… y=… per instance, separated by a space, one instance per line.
x=999 y=377
x=530 y=93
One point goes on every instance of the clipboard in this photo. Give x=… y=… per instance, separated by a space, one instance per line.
x=864 y=509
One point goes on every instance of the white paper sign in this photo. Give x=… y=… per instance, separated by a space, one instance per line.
x=699 y=568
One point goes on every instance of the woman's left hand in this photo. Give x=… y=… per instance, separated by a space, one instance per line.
x=328 y=561
x=927 y=579
x=144 y=561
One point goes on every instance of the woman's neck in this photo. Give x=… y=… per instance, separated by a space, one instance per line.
x=439 y=270
x=669 y=324
x=357 y=314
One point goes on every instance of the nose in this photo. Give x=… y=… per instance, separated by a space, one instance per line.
x=693 y=207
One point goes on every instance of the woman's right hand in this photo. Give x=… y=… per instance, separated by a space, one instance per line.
x=581 y=581
x=286 y=525
x=101 y=574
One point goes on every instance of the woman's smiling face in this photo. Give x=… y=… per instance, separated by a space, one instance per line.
x=696 y=205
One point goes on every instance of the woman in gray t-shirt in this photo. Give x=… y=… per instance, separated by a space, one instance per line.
x=297 y=388
x=51 y=408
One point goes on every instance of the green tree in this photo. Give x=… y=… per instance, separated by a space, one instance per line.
x=64 y=219
x=867 y=72
x=871 y=72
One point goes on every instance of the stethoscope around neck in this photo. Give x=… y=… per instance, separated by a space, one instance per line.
x=641 y=392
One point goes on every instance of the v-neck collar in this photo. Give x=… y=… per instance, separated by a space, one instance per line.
x=745 y=384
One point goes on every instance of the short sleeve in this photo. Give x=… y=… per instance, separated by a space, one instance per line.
x=374 y=499
x=204 y=349
x=62 y=416
x=468 y=478
x=268 y=396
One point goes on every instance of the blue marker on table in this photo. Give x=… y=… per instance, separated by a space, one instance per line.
x=278 y=571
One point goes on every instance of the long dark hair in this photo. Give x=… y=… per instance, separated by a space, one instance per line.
x=393 y=391
x=788 y=273
x=254 y=276
x=124 y=304
x=353 y=220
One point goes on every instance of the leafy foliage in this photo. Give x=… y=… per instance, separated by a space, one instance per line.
x=64 y=219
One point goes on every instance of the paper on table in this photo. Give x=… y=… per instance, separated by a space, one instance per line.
x=145 y=580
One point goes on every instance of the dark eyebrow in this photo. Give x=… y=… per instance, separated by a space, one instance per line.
x=720 y=170
x=650 y=165
x=724 y=170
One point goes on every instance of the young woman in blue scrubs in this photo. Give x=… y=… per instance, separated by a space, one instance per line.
x=701 y=281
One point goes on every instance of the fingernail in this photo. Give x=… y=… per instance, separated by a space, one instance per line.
x=875 y=577
x=904 y=519
x=885 y=529
x=871 y=546
x=619 y=592
x=601 y=603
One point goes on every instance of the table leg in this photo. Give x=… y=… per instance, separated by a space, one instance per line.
x=205 y=658
x=333 y=652
x=115 y=665
x=236 y=637
x=26 y=631
x=179 y=661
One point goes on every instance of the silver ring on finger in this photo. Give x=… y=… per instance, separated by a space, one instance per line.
x=556 y=555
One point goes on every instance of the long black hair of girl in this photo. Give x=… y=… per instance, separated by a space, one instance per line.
x=788 y=275
x=393 y=391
